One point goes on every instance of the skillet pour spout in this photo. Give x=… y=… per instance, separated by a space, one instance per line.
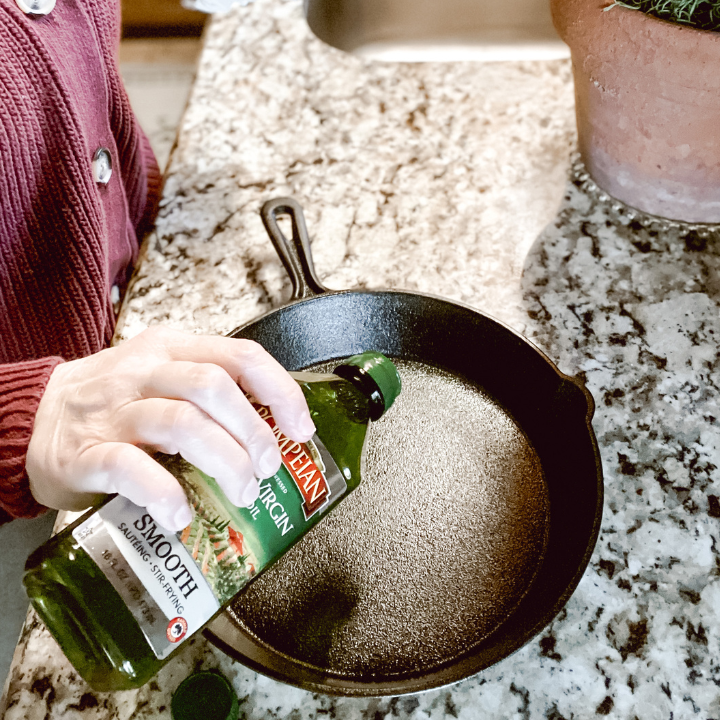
x=479 y=510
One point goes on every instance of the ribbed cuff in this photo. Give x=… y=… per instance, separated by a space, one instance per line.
x=21 y=387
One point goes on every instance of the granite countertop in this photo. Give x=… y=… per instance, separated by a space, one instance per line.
x=455 y=179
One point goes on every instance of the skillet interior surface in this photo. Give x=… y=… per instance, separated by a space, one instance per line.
x=477 y=515
x=429 y=555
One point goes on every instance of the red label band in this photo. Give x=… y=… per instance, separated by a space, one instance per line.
x=301 y=465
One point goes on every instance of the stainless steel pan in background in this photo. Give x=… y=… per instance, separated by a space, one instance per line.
x=479 y=510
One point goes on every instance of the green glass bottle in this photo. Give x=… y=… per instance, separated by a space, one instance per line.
x=120 y=593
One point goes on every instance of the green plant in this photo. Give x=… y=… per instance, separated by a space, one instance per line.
x=701 y=14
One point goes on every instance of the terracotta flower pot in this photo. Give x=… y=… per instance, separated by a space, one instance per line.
x=648 y=107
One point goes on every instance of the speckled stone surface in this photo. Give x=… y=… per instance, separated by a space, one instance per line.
x=453 y=179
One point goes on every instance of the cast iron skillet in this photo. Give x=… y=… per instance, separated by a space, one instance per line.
x=424 y=576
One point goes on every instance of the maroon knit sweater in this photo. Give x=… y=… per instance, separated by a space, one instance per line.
x=65 y=240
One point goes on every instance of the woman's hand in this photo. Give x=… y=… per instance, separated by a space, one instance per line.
x=168 y=391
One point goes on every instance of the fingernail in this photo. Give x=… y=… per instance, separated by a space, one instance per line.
x=306 y=426
x=269 y=462
x=252 y=491
x=183 y=517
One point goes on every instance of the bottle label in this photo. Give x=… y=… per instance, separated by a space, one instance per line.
x=174 y=583
x=151 y=570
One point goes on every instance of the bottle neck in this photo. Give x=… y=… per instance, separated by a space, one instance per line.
x=366 y=385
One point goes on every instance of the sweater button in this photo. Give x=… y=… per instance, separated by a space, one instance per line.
x=102 y=166
x=115 y=298
x=36 y=7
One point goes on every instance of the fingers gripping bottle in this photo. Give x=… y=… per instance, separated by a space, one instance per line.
x=120 y=593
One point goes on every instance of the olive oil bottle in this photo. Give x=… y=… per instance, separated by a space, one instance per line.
x=120 y=593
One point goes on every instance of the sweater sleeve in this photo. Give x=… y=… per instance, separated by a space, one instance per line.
x=21 y=387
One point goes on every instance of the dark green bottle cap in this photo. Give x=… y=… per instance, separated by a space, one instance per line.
x=207 y=695
x=383 y=374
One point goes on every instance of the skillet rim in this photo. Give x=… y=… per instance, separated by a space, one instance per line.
x=423 y=683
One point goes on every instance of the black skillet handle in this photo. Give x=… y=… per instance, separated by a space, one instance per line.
x=295 y=254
